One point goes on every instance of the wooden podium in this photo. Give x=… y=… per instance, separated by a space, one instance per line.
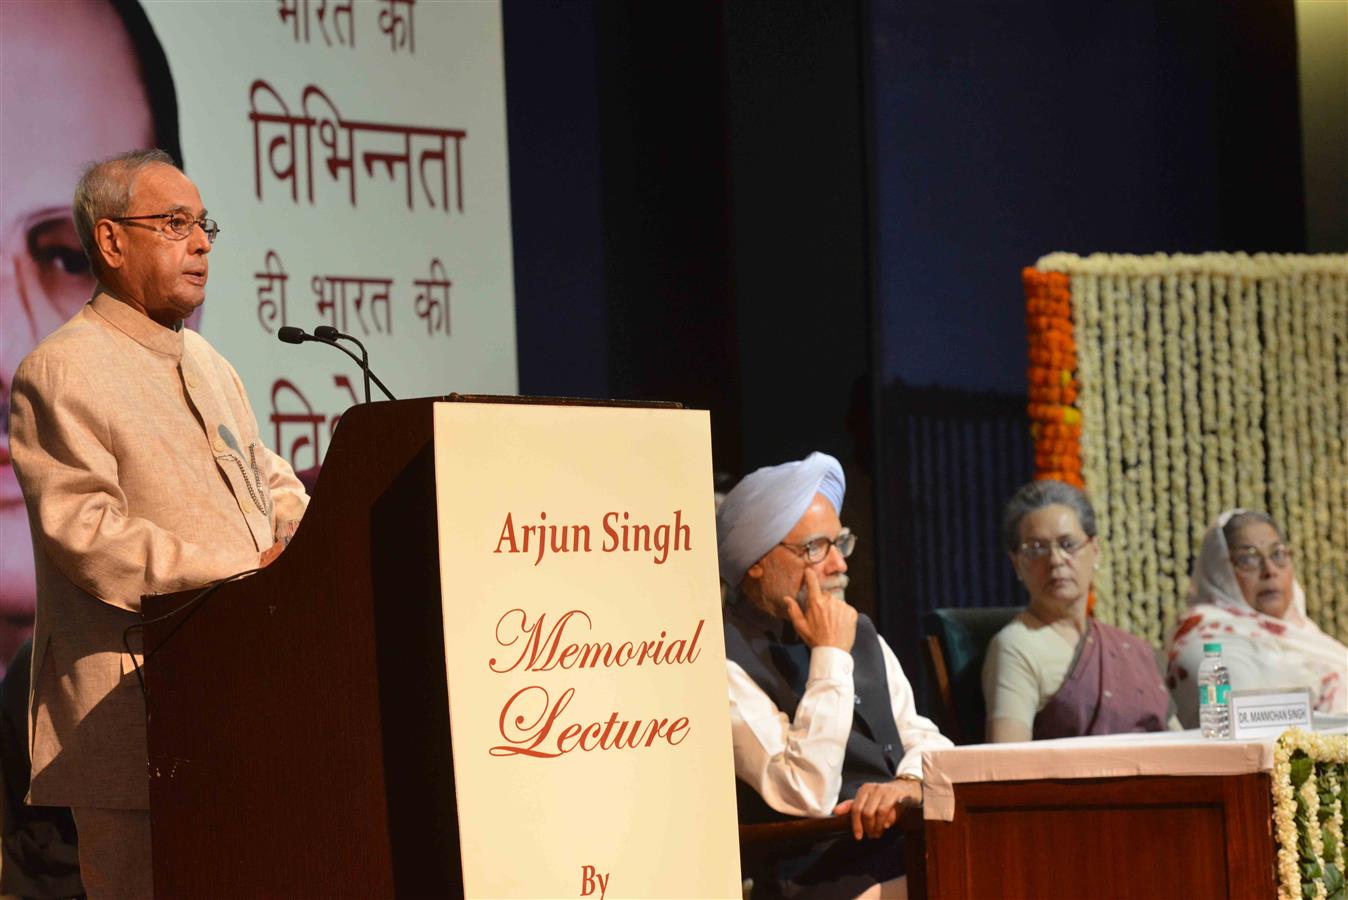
x=1147 y=836
x=299 y=719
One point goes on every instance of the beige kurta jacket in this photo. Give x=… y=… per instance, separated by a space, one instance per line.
x=143 y=472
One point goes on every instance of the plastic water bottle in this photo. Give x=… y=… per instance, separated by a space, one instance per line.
x=1214 y=689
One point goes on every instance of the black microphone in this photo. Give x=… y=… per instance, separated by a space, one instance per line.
x=290 y=334
x=332 y=335
x=328 y=333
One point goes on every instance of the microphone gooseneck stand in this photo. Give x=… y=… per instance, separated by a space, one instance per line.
x=325 y=334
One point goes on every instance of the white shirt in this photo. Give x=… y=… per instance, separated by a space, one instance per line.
x=796 y=766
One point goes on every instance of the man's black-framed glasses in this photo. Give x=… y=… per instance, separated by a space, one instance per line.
x=816 y=550
x=179 y=224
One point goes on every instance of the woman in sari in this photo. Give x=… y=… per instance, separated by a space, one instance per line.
x=1054 y=671
x=1244 y=595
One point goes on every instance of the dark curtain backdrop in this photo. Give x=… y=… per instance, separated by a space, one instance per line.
x=809 y=217
x=1006 y=131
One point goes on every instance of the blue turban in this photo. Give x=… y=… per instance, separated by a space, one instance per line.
x=764 y=507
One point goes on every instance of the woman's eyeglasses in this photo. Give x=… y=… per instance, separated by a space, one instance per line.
x=1251 y=559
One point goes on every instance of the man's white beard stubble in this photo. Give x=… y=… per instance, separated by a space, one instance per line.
x=837 y=586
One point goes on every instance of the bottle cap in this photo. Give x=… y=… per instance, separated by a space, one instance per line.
x=1212 y=648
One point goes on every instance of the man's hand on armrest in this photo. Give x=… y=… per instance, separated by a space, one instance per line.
x=875 y=809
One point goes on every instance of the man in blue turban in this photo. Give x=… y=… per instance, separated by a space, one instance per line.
x=822 y=717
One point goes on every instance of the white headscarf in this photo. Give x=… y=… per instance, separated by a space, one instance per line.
x=764 y=507
x=1218 y=612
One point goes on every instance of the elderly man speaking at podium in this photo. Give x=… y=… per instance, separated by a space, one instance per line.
x=822 y=717
x=143 y=473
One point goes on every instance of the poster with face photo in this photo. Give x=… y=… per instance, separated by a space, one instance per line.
x=353 y=153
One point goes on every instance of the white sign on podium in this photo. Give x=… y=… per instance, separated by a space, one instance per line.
x=584 y=652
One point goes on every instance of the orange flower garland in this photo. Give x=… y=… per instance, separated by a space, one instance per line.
x=1055 y=421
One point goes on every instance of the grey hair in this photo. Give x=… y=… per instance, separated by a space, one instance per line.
x=104 y=192
x=1037 y=495
x=1249 y=517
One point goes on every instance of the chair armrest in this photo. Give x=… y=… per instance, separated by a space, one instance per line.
x=792 y=831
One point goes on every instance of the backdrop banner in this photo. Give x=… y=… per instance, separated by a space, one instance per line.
x=354 y=155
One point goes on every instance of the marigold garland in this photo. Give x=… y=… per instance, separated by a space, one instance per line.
x=1173 y=387
x=1055 y=420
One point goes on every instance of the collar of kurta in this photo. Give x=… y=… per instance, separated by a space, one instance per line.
x=138 y=326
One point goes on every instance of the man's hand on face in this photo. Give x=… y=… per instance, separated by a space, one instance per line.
x=826 y=621
x=875 y=808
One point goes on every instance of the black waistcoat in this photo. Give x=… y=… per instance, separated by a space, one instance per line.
x=769 y=651
x=775 y=658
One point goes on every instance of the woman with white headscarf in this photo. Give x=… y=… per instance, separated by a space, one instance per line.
x=1244 y=595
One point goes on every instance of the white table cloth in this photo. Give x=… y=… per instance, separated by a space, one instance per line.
x=1104 y=756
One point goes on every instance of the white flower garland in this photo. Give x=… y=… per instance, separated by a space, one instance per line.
x=1193 y=512
x=1325 y=753
x=1284 y=823
x=1209 y=374
x=1250 y=394
x=1223 y=420
x=1130 y=591
x=1173 y=534
x=1310 y=800
x=1296 y=391
x=1207 y=382
x=1088 y=328
x=1320 y=375
x=1158 y=562
x=1334 y=826
x=1338 y=399
x=1113 y=440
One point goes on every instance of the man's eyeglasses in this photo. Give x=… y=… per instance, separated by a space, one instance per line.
x=1249 y=559
x=1036 y=550
x=816 y=551
x=179 y=224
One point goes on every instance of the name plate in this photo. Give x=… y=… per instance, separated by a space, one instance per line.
x=1268 y=713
